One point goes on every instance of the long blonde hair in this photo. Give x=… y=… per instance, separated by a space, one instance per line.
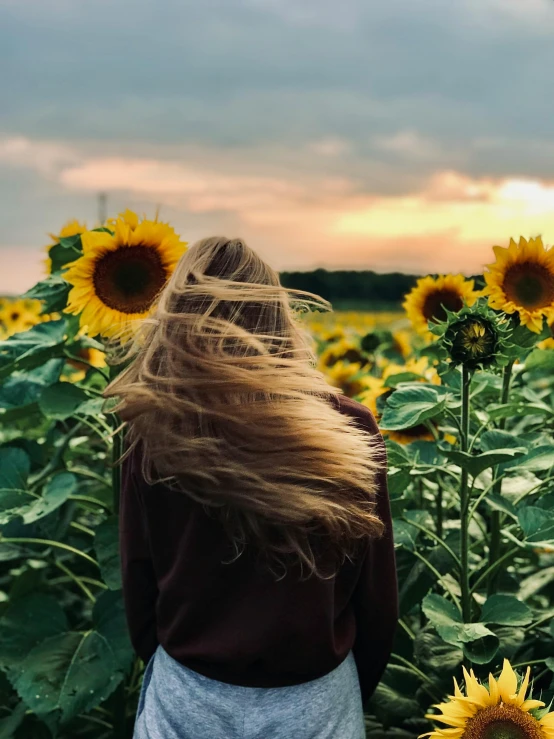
x=220 y=386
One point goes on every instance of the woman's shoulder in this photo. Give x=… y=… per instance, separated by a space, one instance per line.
x=358 y=410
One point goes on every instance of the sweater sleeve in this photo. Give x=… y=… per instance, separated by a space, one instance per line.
x=375 y=599
x=140 y=589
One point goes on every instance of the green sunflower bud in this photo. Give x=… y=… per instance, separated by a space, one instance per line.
x=475 y=337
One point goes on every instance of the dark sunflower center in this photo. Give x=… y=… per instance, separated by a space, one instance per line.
x=14 y=315
x=416 y=432
x=129 y=279
x=476 y=339
x=436 y=302
x=529 y=285
x=502 y=722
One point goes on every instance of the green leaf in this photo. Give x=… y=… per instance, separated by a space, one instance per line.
x=106 y=545
x=475 y=639
x=9 y=724
x=394 y=380
x=72 y=672
x=539 y=459
x=475 y=464
x=14 y=468
x=109 y=618
x=45 y=339
x=61 y=400
x=394 y=695
x=511 y=639
x=535 y=582
x=55 y=494
x=397 y=454
x=506 y=610
x=433 y=653
x=425 y=454
x=53 y=291
x=25 y=623
x=537 y=525
x=19 y=392
x=540 y=359
x=483 y=647
x=398 y=480
x=499 y=439
x=409 y=406
x=498 y=503
x=439 y=611
x=523 y=408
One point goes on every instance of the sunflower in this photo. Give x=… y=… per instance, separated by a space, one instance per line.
x=71 y=228
x=402 y=342
x=346 y=376
x=120 y=274
x=344 y=349
x=428 y=299
x=522 y=281
x=499 y=711
x=18 y=315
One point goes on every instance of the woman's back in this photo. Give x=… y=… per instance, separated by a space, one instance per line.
x=234 y=622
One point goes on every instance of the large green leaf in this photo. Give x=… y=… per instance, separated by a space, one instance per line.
x=14 y=468
x=108 y=616
x=61 y=400
x=506 y=610
x=477 y=463
x=539 y=459
x=537 y=525
x=433 y=653
x=519 y=409
x=394 y=695
x=56 y=492
x=499 y=439
x=540 y=359
x=53 y=292
x=71 y=672
x=19 y=391
x=25 y=623
x=106 y=545
x=439 y=611
x=14 y=471
x=535 y=582
x=407 y=535
x=33 y=347
x=478 y=642
x=511 y=639
x=67 y=250
x=410 y=406
x=481 y=645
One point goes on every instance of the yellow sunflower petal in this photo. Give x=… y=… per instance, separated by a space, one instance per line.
x=507 y=683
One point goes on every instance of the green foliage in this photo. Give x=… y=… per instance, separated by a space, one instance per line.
x=67 y=668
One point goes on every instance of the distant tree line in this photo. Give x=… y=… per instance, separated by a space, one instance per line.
x=354 y=286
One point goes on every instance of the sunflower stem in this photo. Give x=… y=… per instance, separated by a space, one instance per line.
x=464 y=501
x=439 y=511
x=496 y=516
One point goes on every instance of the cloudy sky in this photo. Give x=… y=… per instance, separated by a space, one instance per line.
x=380 y=134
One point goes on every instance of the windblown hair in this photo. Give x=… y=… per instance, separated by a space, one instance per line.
x=220 y=387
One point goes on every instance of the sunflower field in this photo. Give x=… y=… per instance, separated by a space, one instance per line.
x=460 y=379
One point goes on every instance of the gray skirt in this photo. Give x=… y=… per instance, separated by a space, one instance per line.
x=178 y=703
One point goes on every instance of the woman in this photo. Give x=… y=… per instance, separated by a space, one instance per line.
x=255 y=529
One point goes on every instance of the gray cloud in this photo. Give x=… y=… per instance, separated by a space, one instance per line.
x=383 y=93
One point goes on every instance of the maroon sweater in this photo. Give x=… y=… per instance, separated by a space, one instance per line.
x=231 y=622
